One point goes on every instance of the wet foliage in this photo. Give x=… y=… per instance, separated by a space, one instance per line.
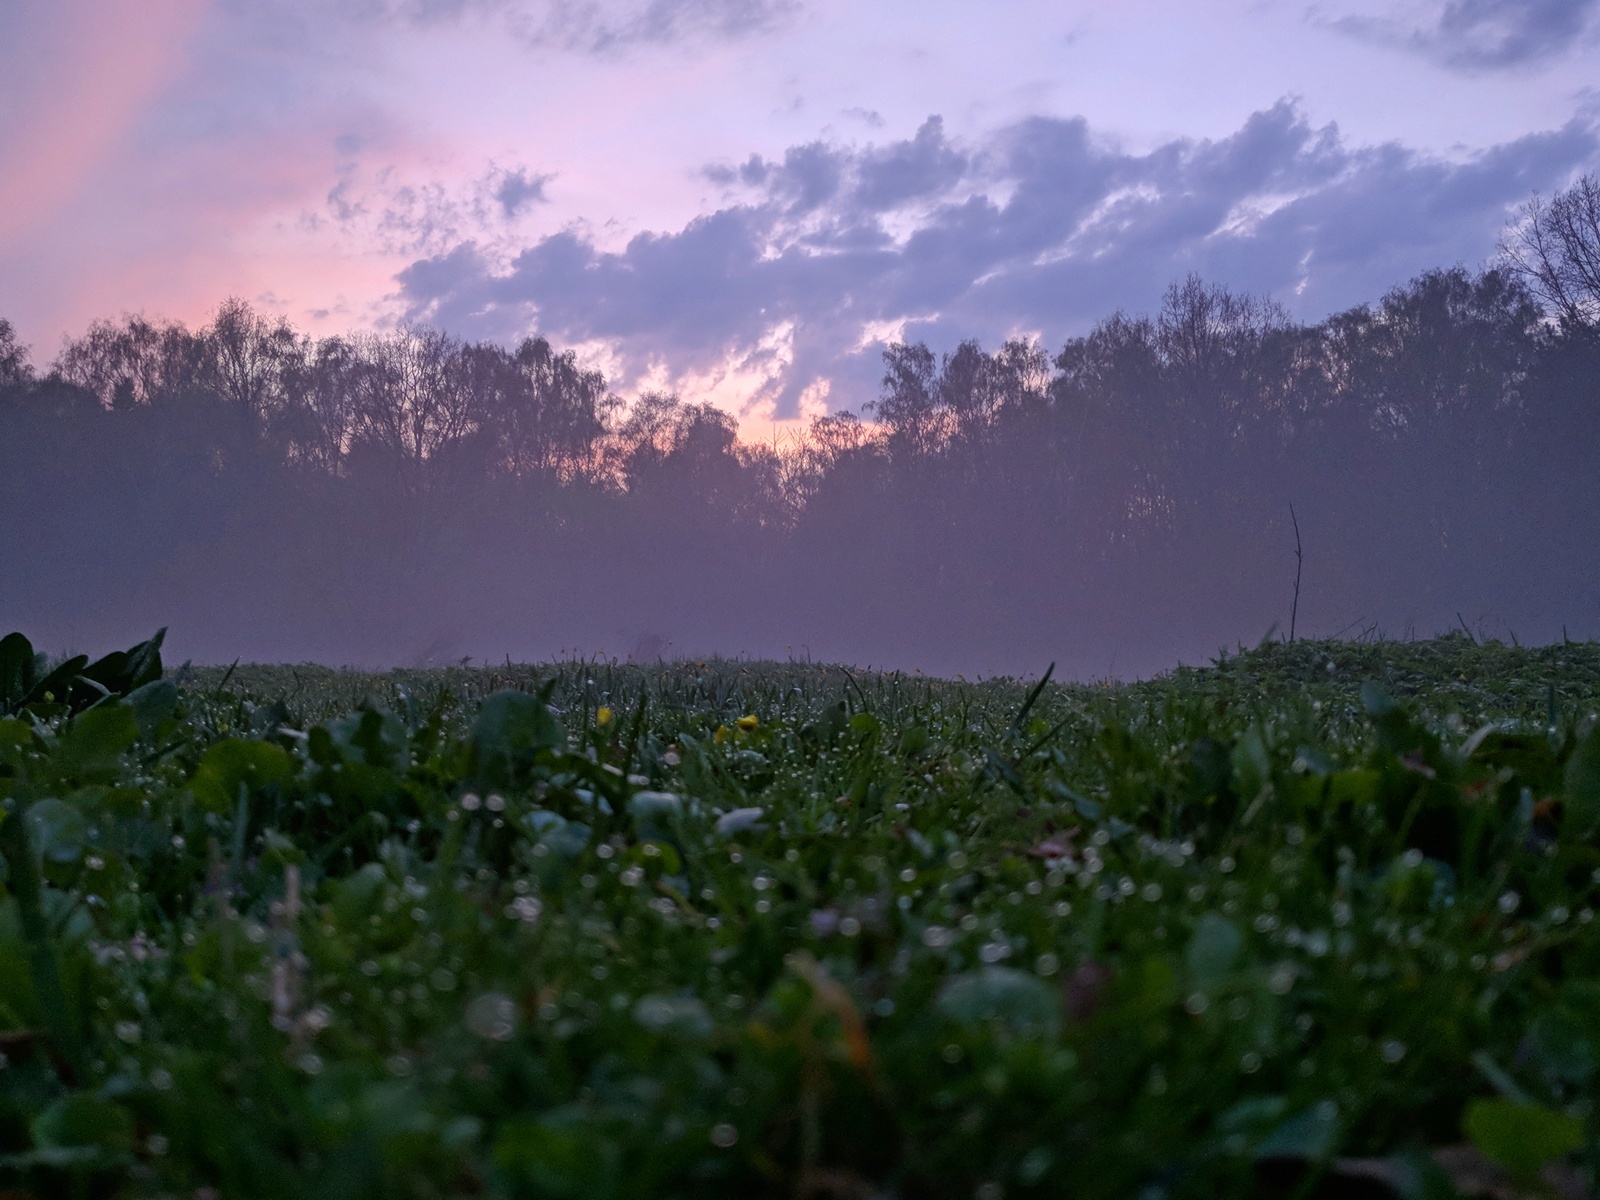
x=1315 y=920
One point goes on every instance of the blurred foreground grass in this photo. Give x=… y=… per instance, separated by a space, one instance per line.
x=1316 y=918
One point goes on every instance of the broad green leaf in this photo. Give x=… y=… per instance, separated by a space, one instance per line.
x=1583 y=786
x=93 y=742
x=1213 y=948
x=677 y=1016
x=1252 y=767
x=81 y=1119
x=152 y=704
x=558 y=1156
x=1312 y=1134
x=57 y=829
x=1521 y=1137
x=1022 y=1003
x=236 y=763
x=16 y=671
x=371 y=736
x=509 y=731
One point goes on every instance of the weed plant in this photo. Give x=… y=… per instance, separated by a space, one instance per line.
x=1317 y=917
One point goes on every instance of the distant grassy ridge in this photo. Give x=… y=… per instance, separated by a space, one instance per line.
x=1479 y=680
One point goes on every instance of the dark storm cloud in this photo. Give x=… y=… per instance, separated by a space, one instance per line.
x=1042 y=227
x=1484 y=34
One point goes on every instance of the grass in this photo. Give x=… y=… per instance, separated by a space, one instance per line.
x=1319 y=915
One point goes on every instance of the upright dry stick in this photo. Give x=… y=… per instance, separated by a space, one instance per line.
x=1299 y=561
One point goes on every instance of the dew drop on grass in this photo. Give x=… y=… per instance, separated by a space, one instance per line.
x=1196 y=1004
x=1392 y=1051
x=1250 y=1062
x=1508 y=902
x=493 y=1016
x=724 y=1135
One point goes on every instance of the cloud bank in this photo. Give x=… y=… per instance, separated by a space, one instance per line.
x=1477 y=35
x=811 y=260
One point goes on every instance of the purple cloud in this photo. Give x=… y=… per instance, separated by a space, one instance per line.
x=1484 y=34
x=1040 y=227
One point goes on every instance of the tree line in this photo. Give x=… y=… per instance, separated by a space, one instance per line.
x=342 y=496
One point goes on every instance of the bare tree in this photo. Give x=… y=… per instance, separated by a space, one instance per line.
x=1554 y=247
x=14 y=368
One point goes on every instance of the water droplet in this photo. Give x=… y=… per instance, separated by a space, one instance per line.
x=1508 y=902
x=1250 y=1062
x=493 y=1016
x=724 y=1135
x=1197 y=1003
x=1392 y=1051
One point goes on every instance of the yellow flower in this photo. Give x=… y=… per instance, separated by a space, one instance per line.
x=747 y=723
x=721 y=735
x=602 y=715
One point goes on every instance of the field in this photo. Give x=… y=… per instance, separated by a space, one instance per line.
x=1315 y=920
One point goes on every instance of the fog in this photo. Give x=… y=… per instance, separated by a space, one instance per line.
x=1115 y=503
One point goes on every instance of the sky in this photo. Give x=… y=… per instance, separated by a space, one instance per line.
x=743 y=200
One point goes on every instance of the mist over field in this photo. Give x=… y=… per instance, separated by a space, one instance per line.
x=1115 y=503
